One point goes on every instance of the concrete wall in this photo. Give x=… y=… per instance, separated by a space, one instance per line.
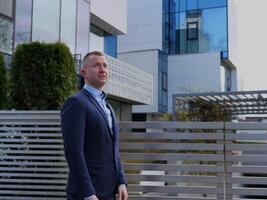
x=232 y=32
x=144 y=24
x=110 y=15
x=148 y=62
x=193 y=73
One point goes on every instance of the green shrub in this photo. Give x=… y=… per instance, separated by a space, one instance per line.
x=42 y=76
x=3 y=83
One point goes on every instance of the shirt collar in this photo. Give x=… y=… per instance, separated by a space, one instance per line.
x=95 y=92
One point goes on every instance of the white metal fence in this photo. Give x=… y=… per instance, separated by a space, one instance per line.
x=162 y=160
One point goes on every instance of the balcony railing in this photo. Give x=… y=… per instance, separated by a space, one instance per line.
x=126 y=81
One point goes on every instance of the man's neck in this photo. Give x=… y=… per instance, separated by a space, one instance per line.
x=90 y=85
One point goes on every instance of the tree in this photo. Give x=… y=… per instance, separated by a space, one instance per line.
x=200 y=111
x=42 y=76
x=3 y=83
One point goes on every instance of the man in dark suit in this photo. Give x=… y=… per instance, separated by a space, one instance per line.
x=90 y=134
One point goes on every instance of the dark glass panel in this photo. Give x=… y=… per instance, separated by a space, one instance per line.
x=192 y=30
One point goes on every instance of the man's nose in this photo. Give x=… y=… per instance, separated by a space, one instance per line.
x=102 y=67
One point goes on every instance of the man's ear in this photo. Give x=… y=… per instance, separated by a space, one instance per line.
x=82 y=72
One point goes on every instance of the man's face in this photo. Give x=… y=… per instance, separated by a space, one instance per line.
x=95 y=71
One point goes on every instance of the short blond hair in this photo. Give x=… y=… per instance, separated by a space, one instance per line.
x=97 y=53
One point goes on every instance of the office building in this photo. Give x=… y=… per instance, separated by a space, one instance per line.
x=83 y=26
x=187 y=45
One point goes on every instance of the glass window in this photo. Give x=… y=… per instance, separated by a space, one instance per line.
x=164 y=82
x=160 y=87
x=165 y=100
x=68 y=23
x=192 y=30
x=214 y=29
x=46 y=20
x=182 y=5
x=96 y=42
x=6 y=7
x=6 y=36
x=83 y=27
x=192 y=4
x=176 y=4
x=172 y=6
x=181 y=41
x=182 y=20
x=110 y=45
x=98 y=31
x=23 y=21
x=211 y=3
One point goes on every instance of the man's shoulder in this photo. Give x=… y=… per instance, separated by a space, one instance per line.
x=78 y=97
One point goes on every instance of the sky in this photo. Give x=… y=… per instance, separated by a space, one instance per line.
x=252 y=44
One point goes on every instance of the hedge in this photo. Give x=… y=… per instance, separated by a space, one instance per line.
x=42 y=76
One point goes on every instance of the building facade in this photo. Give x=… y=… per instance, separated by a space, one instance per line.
x=83 y=25
x=187 y=45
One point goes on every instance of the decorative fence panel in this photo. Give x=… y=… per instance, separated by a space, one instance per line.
x=162 y=160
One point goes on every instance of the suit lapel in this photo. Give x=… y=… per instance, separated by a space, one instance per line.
x=96 y=104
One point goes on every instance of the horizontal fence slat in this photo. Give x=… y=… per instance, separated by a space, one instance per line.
x=24 y=192
x=34 y=169
x=173 y=167
x=248 y=191
x=246 y=136
x=169 y=135
x=248 y=180
x=46 y=158
x=41 y=152
x=37 y=135
x=248 y=169
x=174 y=189
x=36 y=181
x=32 y=146
x=30 y=198
x=162 y=197
x=246 y=126
x=32 y=163
x=32 y=187
x=170 y=146
x=171 y=156
x=30 y=129
x=34 y=175
x=246 y=147
x=247 y=158
x=174 y=178
x=25 y=140
x=174 y=125
x=30 y=123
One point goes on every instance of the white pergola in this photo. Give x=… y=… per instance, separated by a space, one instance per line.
x=235 y=102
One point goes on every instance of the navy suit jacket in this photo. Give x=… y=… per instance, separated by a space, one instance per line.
x=91 y=147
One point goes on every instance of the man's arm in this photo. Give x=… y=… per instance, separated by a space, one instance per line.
x=73 y=130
